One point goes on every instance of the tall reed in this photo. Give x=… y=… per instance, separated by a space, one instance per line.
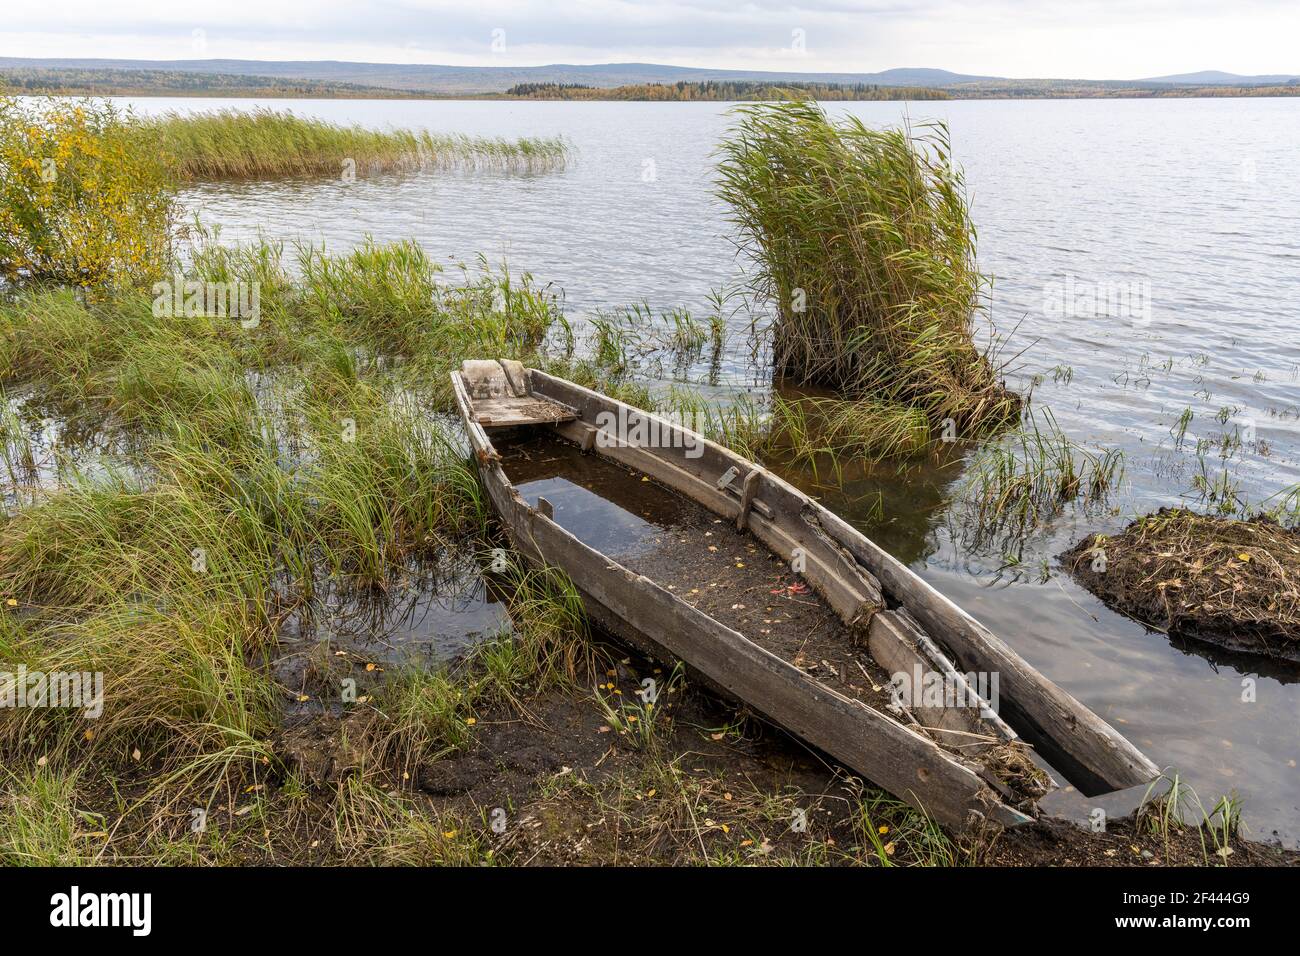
x=263 y=143
x=863 y=241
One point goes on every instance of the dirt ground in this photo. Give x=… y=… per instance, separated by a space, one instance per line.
x=715 y=786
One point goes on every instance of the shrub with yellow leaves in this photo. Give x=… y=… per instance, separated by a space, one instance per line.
x=86 y=198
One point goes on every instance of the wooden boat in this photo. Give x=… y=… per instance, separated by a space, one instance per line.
x=961 y=760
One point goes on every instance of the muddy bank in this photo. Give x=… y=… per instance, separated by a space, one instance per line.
x=1229 y=583
x=558 y=786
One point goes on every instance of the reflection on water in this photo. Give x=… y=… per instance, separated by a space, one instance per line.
x=1194 y=201
x=604 y=507
x=427 y=616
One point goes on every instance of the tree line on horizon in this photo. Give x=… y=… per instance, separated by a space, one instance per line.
x=724 y=90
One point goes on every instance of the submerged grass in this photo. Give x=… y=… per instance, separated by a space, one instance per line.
x=235 y=475
x=1016 y=485
x=264 y=144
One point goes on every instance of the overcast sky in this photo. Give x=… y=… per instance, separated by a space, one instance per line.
x=1092 y=39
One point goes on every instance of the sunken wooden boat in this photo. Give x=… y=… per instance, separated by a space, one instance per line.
x=963 y=758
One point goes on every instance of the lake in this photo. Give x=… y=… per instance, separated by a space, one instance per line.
x=1147 y=261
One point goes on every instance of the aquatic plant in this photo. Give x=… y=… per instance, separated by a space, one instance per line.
x=863 y=243
x=1016 y=484
x=264 y=143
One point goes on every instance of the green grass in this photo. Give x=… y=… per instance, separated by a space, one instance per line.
x=1179 y=807
x=39 y=824
x=222 y=477
x=863 y=243
x=1028 y=478
x=266 y=144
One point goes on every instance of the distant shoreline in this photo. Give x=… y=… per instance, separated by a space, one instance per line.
x=501 y=97
x=149 y=83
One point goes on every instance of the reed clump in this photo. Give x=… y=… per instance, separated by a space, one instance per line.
x=862 y=239
x=267 y=144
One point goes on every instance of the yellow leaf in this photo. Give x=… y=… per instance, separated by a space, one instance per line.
x=470 y=721
x=11 y=602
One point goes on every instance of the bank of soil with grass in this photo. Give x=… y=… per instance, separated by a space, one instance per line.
x=1224 y=581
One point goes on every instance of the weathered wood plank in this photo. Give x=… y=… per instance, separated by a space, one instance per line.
x=907 y=653
x=1084 y=748
x=747 y=498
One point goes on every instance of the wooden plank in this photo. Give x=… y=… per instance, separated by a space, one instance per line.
x=902 y=650
x=1084 y=748
x=747 y=498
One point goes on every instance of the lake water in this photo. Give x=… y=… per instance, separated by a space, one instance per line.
x=1180 y=217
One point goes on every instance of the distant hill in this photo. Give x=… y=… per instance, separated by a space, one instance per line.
x=318 y=78
x=122 y=82
x=428 y=78
x=1219 y=78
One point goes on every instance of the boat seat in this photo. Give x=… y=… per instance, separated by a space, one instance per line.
x=500 y=398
